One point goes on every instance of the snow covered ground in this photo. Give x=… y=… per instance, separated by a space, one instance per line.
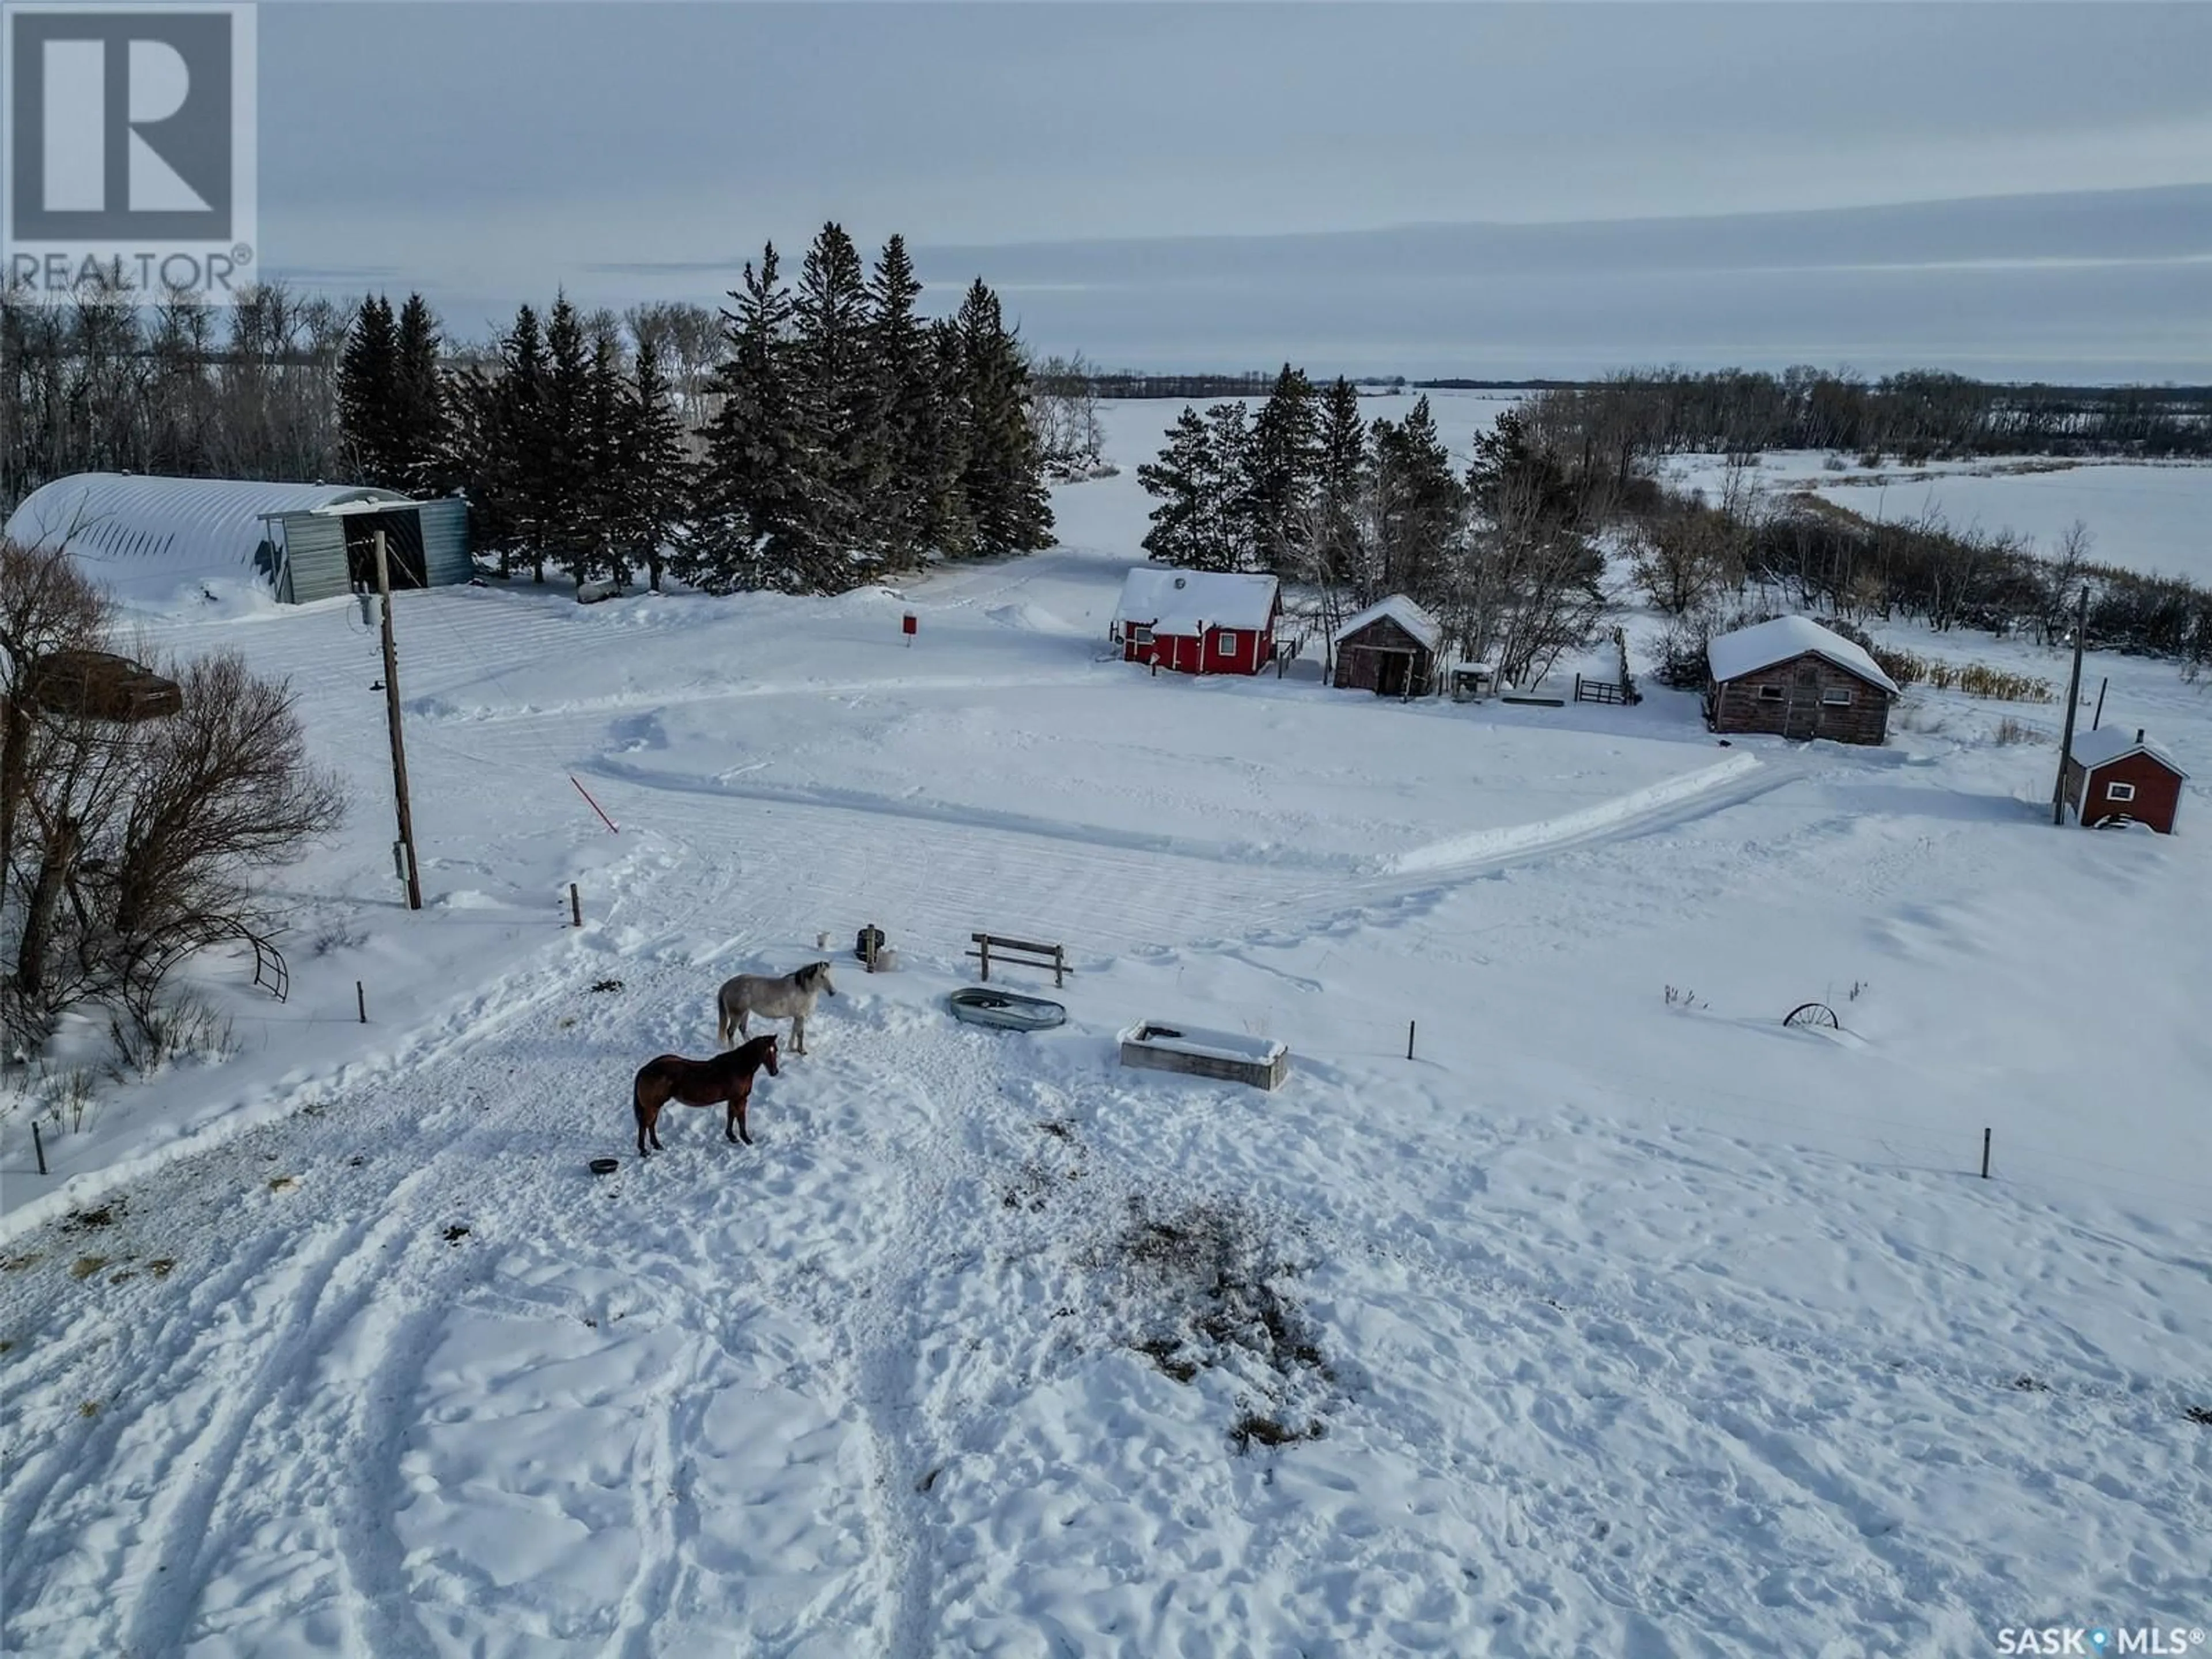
x=2140 y=517
x=1630 y=1321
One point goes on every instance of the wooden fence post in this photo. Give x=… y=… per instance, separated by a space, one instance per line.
x=1409 y=1039
x=38 y=1142
x=360 y=1001
x=1985 y=1154
x=983 y=949
x=575 y=906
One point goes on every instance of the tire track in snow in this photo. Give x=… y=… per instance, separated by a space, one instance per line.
x=167 y=1368
x=658 y=1502
x=885 y=1343
x=167 y=1563
x=1119 y=898
x=169 y=1401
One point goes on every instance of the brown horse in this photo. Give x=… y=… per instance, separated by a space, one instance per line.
x=727 y=1078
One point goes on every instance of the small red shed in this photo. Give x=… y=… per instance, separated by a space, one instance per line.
x=2113 y=777
x=1197 y=621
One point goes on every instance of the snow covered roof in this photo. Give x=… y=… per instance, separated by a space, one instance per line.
x=2107 y=743
x=1182 y=601
x=155 y=536
x=1401 y=611
x=1747 y=650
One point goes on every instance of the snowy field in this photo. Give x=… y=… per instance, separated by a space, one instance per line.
x=2149 y=517
x=1628 y=1322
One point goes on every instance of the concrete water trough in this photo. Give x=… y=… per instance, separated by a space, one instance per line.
x=1162 y=1045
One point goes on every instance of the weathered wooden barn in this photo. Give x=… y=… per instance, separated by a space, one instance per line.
x=151 y=537
x=1197 y=621
x=1390 y=648
x=1791 y=677
x=2113 y=776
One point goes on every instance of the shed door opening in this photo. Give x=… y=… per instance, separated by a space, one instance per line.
x=402 y=550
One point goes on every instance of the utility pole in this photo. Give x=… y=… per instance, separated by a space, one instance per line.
x=398 y=748
x=2073 y=697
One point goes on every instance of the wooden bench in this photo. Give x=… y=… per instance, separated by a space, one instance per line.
x=1020 y=953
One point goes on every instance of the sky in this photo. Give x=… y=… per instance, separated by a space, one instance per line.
x=1082 y=155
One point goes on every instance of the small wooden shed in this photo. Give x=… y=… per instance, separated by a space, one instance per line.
x=101 y=686
x=1791 y=677
x=1390 y=648
x=2113 y=777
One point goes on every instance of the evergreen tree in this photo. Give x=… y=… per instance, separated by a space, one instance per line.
x=943 y=521
x=1200 y=523
x=1340 y=483
x=1229 y=426
x=657 y=476
x=1285 y=462
x=566 y=483
x=605 y=457
x=514 y=430
x=753 y=491
x=1418 y=507
x=423 y=435
x=369 y=395
x=1003 y=478
x=472 y=459
x=1516 y=484
x=908 y=405
x=836 y=385
x=1183 y=478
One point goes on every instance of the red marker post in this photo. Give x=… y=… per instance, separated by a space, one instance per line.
x=906 y=626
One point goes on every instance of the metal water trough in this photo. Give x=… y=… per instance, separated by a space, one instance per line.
x=1229 y=1056
x=1006 y=1011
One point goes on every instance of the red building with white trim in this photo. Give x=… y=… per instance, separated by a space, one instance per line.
x=2112 y=777
x=1197 y=621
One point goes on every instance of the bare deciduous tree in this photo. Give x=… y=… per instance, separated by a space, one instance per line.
x=1063 y=407
x=690 y=343
x=131 y=846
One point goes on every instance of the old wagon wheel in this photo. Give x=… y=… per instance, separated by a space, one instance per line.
x=1813 y=1013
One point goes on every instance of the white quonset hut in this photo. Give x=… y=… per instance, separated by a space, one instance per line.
x=152 y=538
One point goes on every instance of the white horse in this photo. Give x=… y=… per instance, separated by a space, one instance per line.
x=792 y=997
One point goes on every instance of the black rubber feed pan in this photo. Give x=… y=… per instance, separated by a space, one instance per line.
x=605 y=1165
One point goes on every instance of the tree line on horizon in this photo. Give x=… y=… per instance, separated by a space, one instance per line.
x=1916 y=416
